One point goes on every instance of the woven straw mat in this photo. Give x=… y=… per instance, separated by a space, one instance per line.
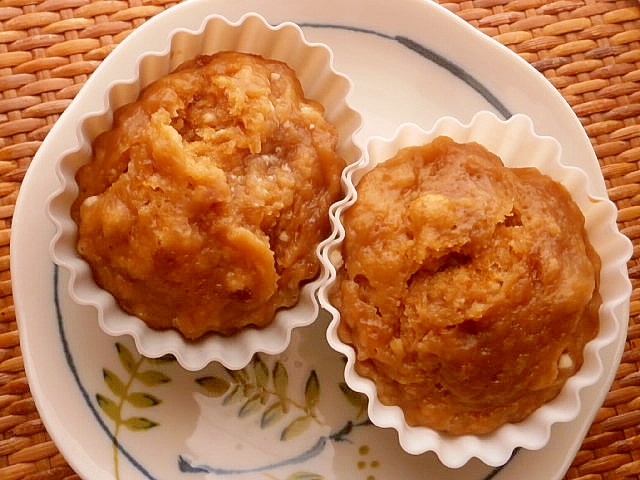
x=589 y=50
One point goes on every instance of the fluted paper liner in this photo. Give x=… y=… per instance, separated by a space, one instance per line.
x=312 y=63
x=516 y=143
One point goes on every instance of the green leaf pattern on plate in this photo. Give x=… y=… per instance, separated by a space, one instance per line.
x=125 y=395
x=300 y=476
x=256 y=390
x=260 y=389
x=266 y=392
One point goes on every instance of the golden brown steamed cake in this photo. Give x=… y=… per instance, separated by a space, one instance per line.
x=203 y=205
x=467 y=289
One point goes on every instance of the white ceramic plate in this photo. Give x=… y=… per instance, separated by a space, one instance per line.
x=116 y=415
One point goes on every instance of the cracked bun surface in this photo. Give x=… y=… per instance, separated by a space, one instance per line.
x=203 y=205
x=468 y=289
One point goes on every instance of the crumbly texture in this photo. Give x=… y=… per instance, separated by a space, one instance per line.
x=203 y=205
x=467 y=289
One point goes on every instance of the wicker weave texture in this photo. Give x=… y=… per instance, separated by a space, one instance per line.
x=589 y=50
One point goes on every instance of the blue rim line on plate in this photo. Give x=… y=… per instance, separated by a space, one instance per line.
x=418 y=48
x=72 y=366
x=430 y=55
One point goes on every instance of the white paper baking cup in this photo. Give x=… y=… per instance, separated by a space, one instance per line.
x=313 y=64
x=516 y=143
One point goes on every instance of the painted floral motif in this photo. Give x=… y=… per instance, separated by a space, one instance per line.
x=265 y=392
x=262 y=393
x=260 y=389
x=125 y=393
